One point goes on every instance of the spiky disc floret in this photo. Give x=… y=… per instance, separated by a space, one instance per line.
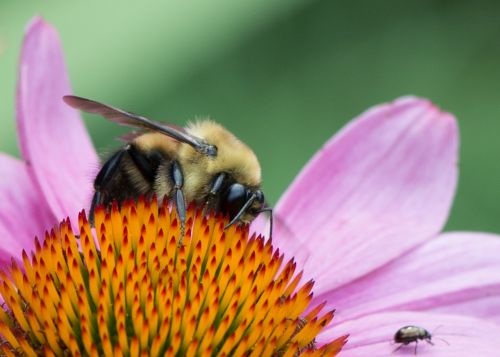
x=133 y=290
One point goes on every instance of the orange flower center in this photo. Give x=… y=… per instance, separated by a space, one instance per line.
x=128 y=289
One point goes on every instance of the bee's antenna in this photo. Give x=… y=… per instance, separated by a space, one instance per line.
x=243 y=209
x=270 y=210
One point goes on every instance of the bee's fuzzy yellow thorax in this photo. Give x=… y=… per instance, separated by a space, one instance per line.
x=233 y=156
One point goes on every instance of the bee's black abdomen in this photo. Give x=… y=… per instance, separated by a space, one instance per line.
x=147 y=164
x=115 y=181
x=108 y=171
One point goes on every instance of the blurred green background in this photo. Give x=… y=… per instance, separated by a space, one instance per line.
x=262 y=67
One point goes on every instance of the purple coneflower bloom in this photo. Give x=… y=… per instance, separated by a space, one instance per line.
x=366 y=214
x=53 y=179
x=376 y=197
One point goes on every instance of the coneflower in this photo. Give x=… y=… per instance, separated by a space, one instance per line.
x=131 y=289
x=365 y=216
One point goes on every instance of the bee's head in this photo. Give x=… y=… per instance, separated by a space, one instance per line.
x=242 y=203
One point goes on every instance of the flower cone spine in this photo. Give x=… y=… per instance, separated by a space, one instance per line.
x=133 y=290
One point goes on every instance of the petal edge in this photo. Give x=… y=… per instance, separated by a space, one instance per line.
x=53 y=139
x=381 y=186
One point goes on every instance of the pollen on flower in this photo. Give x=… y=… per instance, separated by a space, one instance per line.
x=128 y=288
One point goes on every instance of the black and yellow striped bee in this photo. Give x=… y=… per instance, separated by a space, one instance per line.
x=202 y=163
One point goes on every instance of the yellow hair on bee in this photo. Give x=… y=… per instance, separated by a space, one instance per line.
x=156 y=141
x=233 y=157
x=202 y=163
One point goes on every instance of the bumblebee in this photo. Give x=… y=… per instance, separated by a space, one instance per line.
x=202 y=163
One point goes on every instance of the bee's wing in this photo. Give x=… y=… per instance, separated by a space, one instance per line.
x=130 y=136
x=130 y=119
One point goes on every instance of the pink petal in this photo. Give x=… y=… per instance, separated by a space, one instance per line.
x=485 y=307
x=52 y=136
x=6 y=259
x=23 y=210
x=456 y=273
x=372 y=335
x=377 y=189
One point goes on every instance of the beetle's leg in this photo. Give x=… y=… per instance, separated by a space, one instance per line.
x=416 y=345
x=397 y=348
x=180 y=203
x=103 y=178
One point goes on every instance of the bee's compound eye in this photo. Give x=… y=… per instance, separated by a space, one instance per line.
x=234 y=200
x=259 y=196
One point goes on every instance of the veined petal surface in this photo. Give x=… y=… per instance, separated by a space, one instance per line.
x=456 y=272
x=23 y=210
x=380 y=187
x=53 y=139
x=452 y=335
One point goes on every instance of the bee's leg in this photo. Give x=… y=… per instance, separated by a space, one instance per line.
x=96 y=199
x=103 y=178
x=214 y=191
x=147 y=165
x=180 y=203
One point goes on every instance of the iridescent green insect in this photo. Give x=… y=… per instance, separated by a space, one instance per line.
x=408 y=334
